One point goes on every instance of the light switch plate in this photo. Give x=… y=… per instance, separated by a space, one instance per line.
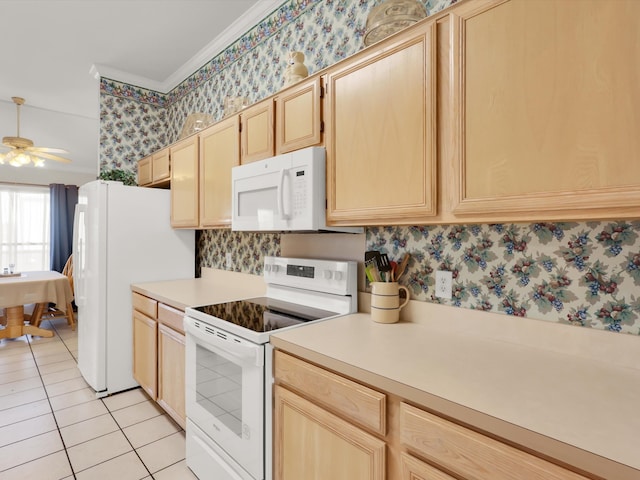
x=228 y=260
x=444 y=281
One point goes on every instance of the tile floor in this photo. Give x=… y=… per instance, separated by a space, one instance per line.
x=52 y=426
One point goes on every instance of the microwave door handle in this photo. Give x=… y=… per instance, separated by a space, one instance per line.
x=283 y=214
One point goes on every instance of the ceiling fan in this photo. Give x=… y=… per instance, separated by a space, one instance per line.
x=22 y=150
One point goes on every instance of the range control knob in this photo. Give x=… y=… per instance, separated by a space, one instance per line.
x=327 y=274
x=275 y=268
x=267 y=267
x=338 y=276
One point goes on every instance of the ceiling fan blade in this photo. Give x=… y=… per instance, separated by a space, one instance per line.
x=47 y=150
x=51 y=157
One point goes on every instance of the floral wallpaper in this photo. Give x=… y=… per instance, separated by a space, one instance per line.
x=129 y=130
x=585 y=273
x=247 y=250
x=135 y=121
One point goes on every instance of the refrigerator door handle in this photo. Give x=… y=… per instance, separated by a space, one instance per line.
x=78 y=254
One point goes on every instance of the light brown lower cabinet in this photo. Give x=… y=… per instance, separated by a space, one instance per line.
x=145 y=349
x=332 y=432
x=159 y=354
x=328 y=426
x=171 y=373
x=314 y=444
x=469 y=454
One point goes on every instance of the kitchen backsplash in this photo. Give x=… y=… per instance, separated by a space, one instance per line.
x=585 y=273
x=247 y=250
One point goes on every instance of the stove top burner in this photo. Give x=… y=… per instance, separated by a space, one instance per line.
x=264 y=314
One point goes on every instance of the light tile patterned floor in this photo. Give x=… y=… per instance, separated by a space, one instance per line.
x=52 y=426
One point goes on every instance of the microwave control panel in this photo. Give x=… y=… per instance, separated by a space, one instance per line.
x=299 y=190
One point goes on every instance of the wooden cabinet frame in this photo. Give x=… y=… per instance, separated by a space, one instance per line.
x=257 y=136
x=605 y=202
x=184 y=183
x=219 y=152
x=299 y=116
x=421 y=155
x=145 y=352
x=327 y=426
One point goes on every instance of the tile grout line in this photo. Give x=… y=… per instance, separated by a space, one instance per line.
x=114 y=419
x=29 y=342
x=33 y=350
x=55 y=419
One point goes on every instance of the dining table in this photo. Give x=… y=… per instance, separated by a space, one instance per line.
x=36 y=287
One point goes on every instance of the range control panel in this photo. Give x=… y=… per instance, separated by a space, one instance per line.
x=330 y=276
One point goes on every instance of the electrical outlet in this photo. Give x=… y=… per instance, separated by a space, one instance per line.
x=444 y=281
x=228 y=261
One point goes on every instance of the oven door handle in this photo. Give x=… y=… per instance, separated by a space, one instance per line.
x=241 y=350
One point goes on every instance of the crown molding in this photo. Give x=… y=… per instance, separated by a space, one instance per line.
x=233 y=32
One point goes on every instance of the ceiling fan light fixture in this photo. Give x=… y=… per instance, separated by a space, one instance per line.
x=18 y=159
x=22 y=150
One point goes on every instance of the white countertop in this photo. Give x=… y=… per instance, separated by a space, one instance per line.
x=525 y=382
x=215 y=286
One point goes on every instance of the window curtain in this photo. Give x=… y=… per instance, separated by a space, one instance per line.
x=63 y=204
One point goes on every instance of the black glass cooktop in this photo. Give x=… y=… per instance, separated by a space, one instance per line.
x=264 y=314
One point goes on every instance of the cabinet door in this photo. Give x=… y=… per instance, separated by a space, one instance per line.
x=546 y=98
x=257 y=132
x=161 y=166
x=171 y=386
x=313 y=444
x=219 y=152
x=145 y=352
x=144 y=171
x=184 y=183
x=380 y=134
x=414 y=469
x=298 y=116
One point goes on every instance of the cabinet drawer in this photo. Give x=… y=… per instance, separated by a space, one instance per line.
x=360 y=404
x=171 y=317
x=470 y=454
x=146 y=305
x=414 y=469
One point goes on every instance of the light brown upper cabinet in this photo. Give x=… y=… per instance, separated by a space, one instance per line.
x=380 y=133
x=545 y=109
x=257 y=132
x=184 y=183
x=144 y=171
x=299 y=116
x=219 y=152
x=154 y=170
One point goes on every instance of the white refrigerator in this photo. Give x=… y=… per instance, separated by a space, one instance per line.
x=122 y=235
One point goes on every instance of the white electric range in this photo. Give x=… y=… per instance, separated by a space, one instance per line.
x=229 y=362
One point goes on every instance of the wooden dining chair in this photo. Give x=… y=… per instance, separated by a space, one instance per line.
x=41 y=312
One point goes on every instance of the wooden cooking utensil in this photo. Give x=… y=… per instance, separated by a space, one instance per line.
x=402 y=267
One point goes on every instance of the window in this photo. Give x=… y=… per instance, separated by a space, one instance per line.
x=24 y=227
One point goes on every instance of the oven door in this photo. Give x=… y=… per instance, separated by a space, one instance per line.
x=225 y=392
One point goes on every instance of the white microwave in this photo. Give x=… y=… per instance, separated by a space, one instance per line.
x=282 y=193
